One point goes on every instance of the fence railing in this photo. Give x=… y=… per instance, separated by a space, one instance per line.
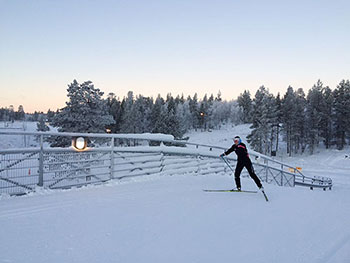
x=127 y=155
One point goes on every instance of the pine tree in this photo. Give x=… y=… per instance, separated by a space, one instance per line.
x=342 y=113
x=179 y=100
x=41 y=125
x=115 y=109
x=157 y=114
x=245 y=102
x=218 y=96
x=85 y=111
x=193 y=103
x=209 y=119
x=20 y=114
x=128 y=120
x=3 y=114
x=279 y=115
x=171 y=120
x=288 y=118
x=326 y=116
x=50 y=115
x=263 y=119
x=299 y=134
x=217 y=114
x=162 y=120
x=36 y=116
x=204 y=111
x=11 y=113
x=184 y=116
x=141 y=114
x=313 y=116
x=233 y=112
x=347 y=109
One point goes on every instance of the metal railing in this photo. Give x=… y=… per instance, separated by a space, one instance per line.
x=127 y=155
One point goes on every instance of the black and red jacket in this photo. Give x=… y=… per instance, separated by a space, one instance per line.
x=241 y=151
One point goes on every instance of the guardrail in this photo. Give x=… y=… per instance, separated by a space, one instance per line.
x=126 y=155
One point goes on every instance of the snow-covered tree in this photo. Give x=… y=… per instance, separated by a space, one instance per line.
x=218 y=115
x=245 y=102
x=129 y=121
x=299 y=131
x=262 y=121
x=326 y=116
x=313 y=115
x=85 y=111
x=278 y=121
x=20 y=114
x=137 y=114
x=342 y=113
x=218 y=96
x=41 y=125
x=194 y=109
x=157 y=114
x=116 y=110
x=50 y=115
x=289 y=112
x=204 y=113
x=171 y=120
x=184 y=116
x=233 y=112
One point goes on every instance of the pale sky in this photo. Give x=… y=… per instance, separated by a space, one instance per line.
x=159 y=47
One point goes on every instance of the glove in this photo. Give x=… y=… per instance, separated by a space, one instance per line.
x=222 y=155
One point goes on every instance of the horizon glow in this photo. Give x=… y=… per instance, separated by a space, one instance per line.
x=161 y=47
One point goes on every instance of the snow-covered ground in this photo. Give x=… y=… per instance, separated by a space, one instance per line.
x=19 y=141
x=170 y=219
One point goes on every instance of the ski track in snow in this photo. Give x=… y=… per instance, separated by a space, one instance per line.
x=341 y=248
x=11 y=212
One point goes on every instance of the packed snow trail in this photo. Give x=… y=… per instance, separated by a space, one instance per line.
x=170 y=219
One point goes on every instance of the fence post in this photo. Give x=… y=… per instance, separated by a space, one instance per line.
x=161 y=162
x=41 y=161
x=281 y=179
x=199 y=164
x=112 y=159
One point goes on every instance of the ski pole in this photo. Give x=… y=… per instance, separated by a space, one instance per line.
x=228 y=164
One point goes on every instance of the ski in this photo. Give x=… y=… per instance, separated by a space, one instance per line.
x=231 y=190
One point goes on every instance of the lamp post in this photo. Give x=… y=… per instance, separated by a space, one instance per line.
x=202 y=120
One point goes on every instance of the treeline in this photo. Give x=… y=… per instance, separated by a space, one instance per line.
x=305 y=121
x=170 y=115
x=322 y=117
x=9 y=114
x=87 y=111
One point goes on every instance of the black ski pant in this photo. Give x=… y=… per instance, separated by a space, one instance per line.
x=249 y=166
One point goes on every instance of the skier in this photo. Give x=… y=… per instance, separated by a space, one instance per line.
x=243 y=160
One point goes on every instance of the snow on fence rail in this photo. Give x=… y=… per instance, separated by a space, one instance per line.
x=126 y=155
